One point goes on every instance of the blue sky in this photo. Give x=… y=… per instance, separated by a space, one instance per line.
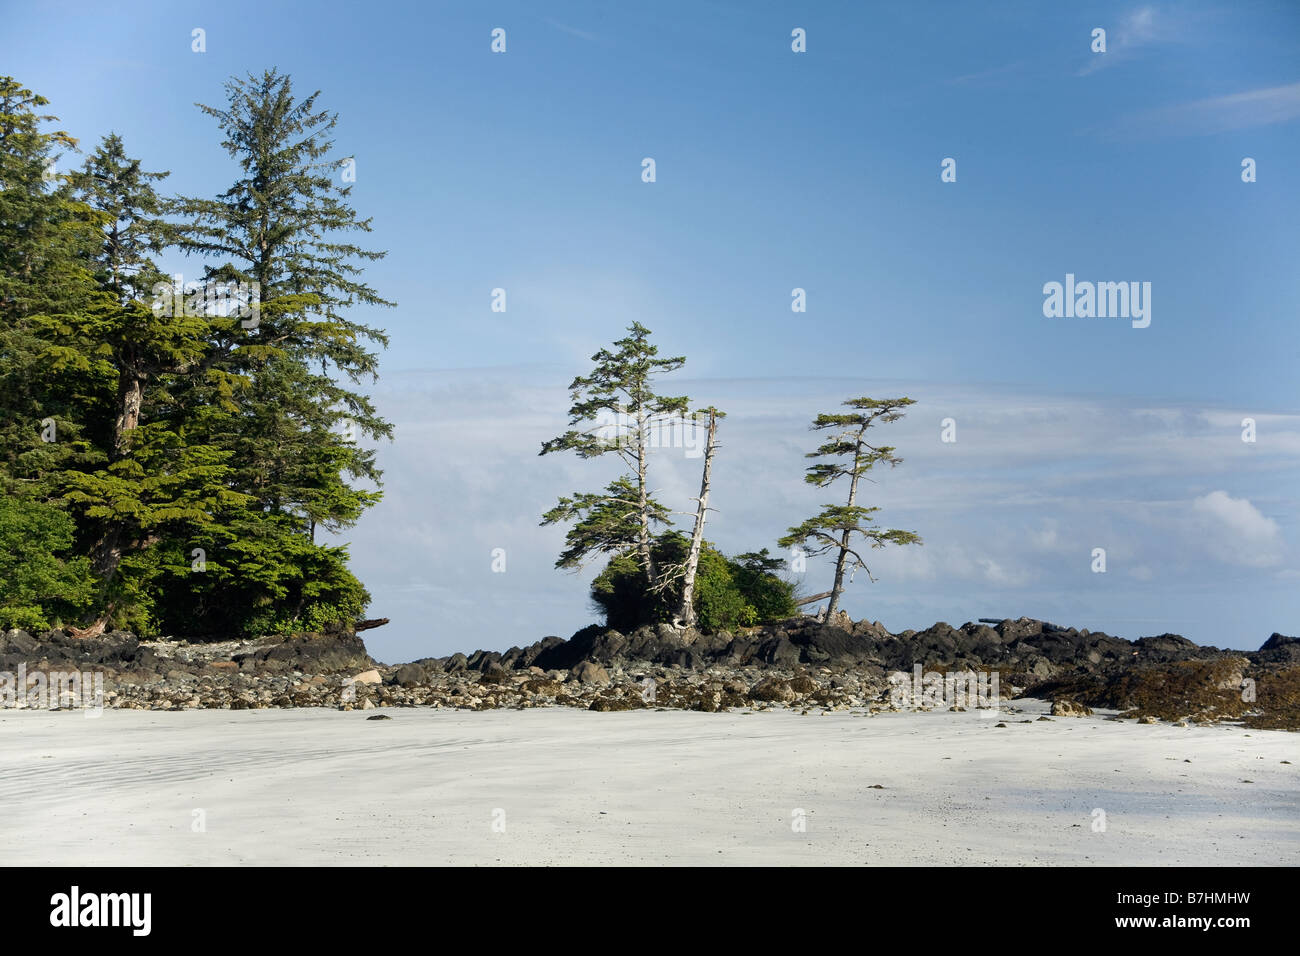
x=776 y=170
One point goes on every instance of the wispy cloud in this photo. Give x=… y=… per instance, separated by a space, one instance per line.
x=1141 y=27
x=994 y=73
x=1216 y=114
x=573 y=31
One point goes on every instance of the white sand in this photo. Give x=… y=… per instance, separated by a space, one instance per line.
x=322 y=787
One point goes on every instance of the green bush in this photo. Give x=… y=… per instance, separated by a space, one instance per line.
x=37 y=587
x=250 y=585
x=729 y=593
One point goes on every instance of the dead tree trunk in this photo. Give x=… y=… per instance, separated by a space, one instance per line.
x=686 y=612
x=812 y=598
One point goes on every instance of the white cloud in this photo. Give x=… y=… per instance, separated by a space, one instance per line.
x=1237 y=531
x=1139 y=27
x=1217 y=114
x=1009 y=513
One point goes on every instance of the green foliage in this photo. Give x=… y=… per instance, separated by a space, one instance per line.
x=729 y=593
x=181 y=428
x=37 y=586
x=617 y=410
x=607 y=523
x=849 y=456
x=771 y=596
x=251 y=577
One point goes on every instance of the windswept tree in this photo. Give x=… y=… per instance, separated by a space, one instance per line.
x=849 y=456
x=616 y=411
x=606 y=522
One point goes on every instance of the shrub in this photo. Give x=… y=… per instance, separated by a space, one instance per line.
x=249 y=586
x=729 y=593
x=37 y=587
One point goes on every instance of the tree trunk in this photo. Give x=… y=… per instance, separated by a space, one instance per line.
x=643 y=509
x=106 y=554
x=817 y=597
x=686 y=612
x=838 y=587
x=130 y=397
x=96 y=629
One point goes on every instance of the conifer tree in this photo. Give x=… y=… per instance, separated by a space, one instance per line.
x=146 y=479
x=619 y=412
x=282 y=235
x=181 y=436
x=852 y=457
x=45 y=237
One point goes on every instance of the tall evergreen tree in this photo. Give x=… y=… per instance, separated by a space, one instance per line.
x=281 y=236
x=851 y=457
x=148 y=480
x=619 y=412
x=45 y=239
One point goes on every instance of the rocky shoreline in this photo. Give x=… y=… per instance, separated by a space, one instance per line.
x=801 y=664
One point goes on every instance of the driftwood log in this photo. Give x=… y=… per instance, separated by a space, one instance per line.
x=815 y=597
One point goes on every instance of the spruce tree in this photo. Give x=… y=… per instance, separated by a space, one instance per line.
x=619 y=413
x=282 y=235
x=851 y=457
x=45 y=239
x=146 y=480
x=607 y=522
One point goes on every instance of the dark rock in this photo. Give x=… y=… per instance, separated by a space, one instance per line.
x=830 y=643
x=616 y=703
x=494 y=673
x=410 y=675
x=20 y=642
x=567 y=654
x=779 y=651
x=1164 y=648
x=1279 y=649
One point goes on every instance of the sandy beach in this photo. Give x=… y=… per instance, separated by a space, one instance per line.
x=558 y=786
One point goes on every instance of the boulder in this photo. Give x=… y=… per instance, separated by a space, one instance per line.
x=589 y=672
x=1069 y=708
x=494 y=673
x=772 y=689
x=410 y=675
x=779 y=651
